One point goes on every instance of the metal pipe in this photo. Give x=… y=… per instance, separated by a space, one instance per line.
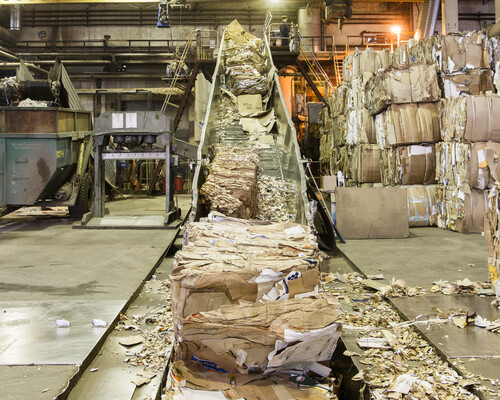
x=11 y=65
x=427 y=19
x=15 y=17
x=12 y=36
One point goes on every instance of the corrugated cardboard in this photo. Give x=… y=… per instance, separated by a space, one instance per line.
x=372 y=213
x=249 y=104
x=461 y=212
x=422 y=205
x=471 y=118
x=416 y=83
x=409 y=165
x=231 y=261
x=365 y=165
x=417 y=164
x=467 y=165
x=237 y=386
x=472 y=82
x=463 y=51
x=244 y=338
x=408 y=124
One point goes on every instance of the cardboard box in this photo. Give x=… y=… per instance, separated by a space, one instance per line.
x=372 y=213
x=328 y=183
x=422 y=205
x=408 y=124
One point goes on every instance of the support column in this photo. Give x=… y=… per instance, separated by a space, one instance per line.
x=449 y=12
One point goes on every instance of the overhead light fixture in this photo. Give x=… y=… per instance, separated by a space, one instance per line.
x=396 y=29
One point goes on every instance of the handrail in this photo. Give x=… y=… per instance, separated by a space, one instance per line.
x=315 y=67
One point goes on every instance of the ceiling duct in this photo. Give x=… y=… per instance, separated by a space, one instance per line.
x=11 y=35
x=427 y=19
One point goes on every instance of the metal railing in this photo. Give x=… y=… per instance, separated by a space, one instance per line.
x=319 y=74
x=179 y=67
x=207 y=45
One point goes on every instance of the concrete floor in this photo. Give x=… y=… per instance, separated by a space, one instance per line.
x=50 y=271
x=428 y=255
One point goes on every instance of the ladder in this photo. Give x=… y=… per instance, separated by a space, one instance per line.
x=338 y=56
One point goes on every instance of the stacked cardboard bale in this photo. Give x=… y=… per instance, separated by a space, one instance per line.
x=403 y=97
x=404 y=100
x=354 y=148
x=492 y=235
x=467 y=160
x=231 y=186
x=463 y=61
x=246 y=301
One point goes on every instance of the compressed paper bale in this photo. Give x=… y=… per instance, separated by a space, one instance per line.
x=347 y=73
x=462 y=212
x=409 y=165
x=242 y=338
x=471 y=118
x=226 y=260
x=491 y=233
x=463 y=52
x=360 y=127
x=472 y=82
x=401 y=55
x=416 y=164
x=422 y=205
x=231 y=185
x=339 y=131
x=365 y=165
x=408 y=124
x=467 y=165
x=416 y=83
